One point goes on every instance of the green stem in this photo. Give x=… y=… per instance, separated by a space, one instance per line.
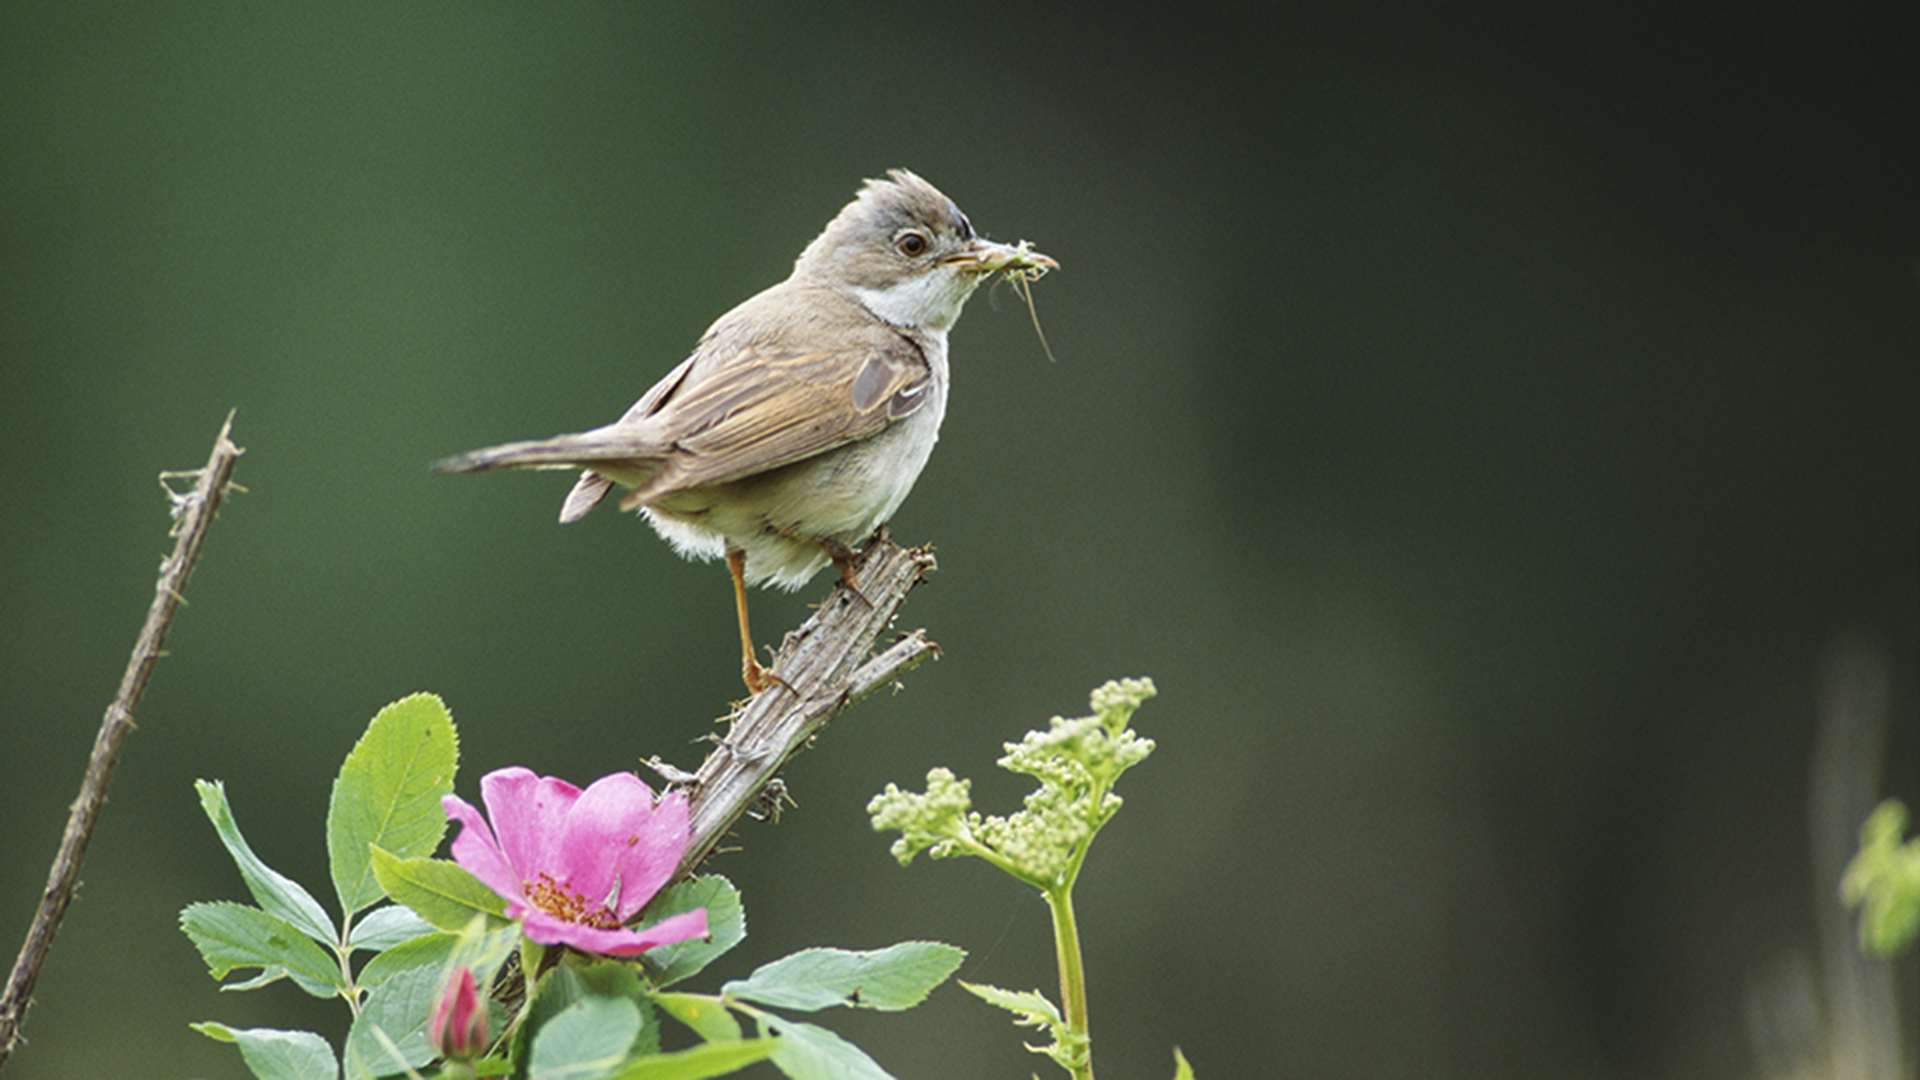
x=532 y=953
x=344 y=954
x=1073 y=981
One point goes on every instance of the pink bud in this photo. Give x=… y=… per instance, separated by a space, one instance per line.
x=458 y=1028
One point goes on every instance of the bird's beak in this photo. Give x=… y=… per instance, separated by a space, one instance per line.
x=987 y=257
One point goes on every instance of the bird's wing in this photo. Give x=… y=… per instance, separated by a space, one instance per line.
x=768 y=405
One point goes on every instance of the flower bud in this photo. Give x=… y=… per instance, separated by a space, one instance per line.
x=458 y=1027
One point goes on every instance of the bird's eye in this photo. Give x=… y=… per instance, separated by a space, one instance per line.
x=912 y=244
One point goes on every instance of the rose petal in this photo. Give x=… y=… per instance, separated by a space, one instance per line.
x=617 y=846
x=649 y=857
x=528 y=814
x=478 y=851
x=620 y=941
x=682 y=927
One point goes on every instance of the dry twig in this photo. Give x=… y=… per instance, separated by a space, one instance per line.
x=823 y=668
x=193 y=514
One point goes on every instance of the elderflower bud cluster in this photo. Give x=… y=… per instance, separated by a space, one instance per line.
x=938 y=820
x=1076 y=762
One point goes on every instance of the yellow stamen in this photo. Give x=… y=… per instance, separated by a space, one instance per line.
x=562 y=902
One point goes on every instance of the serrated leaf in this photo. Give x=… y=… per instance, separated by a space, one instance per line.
x=807 y=1052
x=231 y=935
x=278 y=1055
x=1032 y=1009
x=388 y=793
x=276 y=893
x=389 y=1034
x=439 y=891
x=587 y=1038
x=1031 y=1004
x=726 y=927
x=708 y=1016
x=898 y=977
x=712 y=1059
x=383 y=928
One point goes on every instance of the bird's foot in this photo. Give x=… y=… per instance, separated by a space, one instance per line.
x=846 y=560
x=758 y=677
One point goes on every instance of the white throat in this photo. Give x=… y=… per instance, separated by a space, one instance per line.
x=930 y=301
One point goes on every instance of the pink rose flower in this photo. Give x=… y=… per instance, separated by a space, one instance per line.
x=575 y=865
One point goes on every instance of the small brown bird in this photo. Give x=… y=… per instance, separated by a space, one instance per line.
x=804 y=415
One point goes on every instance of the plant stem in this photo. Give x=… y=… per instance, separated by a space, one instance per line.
x=1073 y=980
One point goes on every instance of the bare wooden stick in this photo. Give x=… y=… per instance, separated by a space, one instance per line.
x=823 y=668
x=193 y=514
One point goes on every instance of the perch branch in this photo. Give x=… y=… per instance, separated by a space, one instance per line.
x=823 y=669
x=193 y=514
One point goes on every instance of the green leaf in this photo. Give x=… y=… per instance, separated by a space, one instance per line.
x=813 y=1053
x=278 y=1055
x=708 y=1016
x=587 y=1038
x=276 y=893
x=1181 y=1070
x=893 y=978
x=726 y=927
x=388 y=793
x=712 y=1059
x=385 y=927
x=486 y=948
x=441 y=892
x=1883 y=880
x=231 y=935
x=433 y=952
x=1032 y=1009
x=389 y=1035
x=574 y=981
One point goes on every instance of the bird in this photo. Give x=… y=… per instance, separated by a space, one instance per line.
x=802 y=418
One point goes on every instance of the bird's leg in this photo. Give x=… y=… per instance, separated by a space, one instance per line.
x=843 y=558
x=756 y=677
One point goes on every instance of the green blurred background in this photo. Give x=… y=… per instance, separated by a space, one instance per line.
x=1488 y=424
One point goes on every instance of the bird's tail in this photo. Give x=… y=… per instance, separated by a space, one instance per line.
x=601 y=451
x=606 y=458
